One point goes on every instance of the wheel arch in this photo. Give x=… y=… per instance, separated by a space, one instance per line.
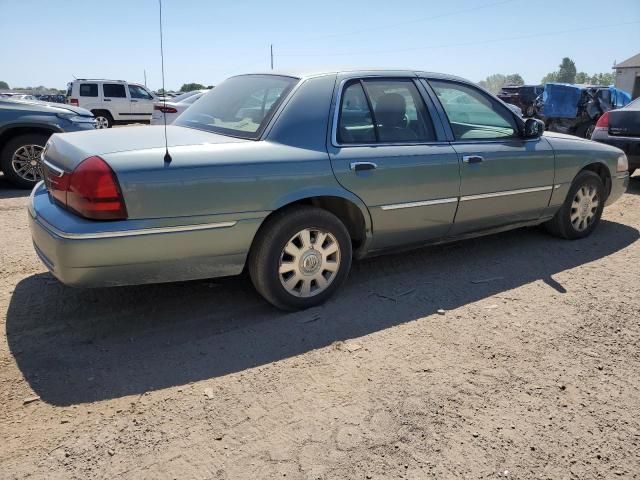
x=17 y=129
x=350 y=209
x=602 y=170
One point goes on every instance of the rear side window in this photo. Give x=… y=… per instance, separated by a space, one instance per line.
x=355 y=124
x=384 y=111
x=114 y=90
x=472 y=114
x=88 y=90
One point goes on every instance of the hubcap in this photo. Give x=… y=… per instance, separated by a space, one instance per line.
x=584 y=207
x=102 y=122
x=309 y=262
x=26 y=162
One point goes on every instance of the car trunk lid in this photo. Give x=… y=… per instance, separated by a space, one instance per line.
x=625 y=122
x=65 y=151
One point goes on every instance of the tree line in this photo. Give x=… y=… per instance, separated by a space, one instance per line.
x=566 y=73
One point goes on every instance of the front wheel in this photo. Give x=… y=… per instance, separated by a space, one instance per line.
x=300 y=257
x=581 y=211
x=103 y=120
x=20 y=159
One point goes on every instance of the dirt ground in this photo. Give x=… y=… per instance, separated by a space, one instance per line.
x=531 y=371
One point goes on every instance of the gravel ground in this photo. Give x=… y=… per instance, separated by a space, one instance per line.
x=531 y=371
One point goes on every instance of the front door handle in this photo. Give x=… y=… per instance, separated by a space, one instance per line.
x=472 y=159
x=133 y=101
x=107 y=99
x=362 y=166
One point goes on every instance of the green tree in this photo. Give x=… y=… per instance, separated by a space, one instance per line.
x=583 y=77
x=549 y=78
x=495 y=82
x=4 y=85
x=514 y=79
x=187 y=87
x=567 y=71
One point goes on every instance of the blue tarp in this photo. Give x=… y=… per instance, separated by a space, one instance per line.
x=561 y=100
x=619 y=98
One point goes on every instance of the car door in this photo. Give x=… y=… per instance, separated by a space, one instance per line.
x=387 y=149
x=141 y=103
x=115 y=98
x=505 y=178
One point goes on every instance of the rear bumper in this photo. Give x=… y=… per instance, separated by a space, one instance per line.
x=82 y=253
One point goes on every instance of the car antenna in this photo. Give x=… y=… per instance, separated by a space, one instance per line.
x=167 y=156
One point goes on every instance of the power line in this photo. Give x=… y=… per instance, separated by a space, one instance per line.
x=464 y=44
x=393 y=25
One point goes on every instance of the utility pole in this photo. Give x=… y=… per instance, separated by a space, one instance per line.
x=145 y=78
x=272 y=56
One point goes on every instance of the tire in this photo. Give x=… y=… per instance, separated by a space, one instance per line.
x=574 y=206
x=20 y=159
x=585 y=130
x=271 y=267
x=103 y=119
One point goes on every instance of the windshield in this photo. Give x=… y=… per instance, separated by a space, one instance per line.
x=240 y=106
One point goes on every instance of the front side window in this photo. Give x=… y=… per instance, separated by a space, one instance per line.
x=136 y=91
x=472 y=114
x=240 y=106
x=114 y=90
x=88 y=89
x=383 y=111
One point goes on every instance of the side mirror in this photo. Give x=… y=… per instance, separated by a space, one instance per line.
x=533 y=128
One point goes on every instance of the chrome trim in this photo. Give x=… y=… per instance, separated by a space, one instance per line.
x=30 y=207
x=59 y=172
x=467 y=158
x=353 y=165
x=426 y=203
x=623 y=175
x=132 y=233
x=557 y=185
x=505 y=193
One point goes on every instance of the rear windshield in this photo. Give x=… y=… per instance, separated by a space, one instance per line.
x=240 y=106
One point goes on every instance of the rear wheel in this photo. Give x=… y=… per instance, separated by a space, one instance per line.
x=300 y=257
x=581 y=211
x=20 y=159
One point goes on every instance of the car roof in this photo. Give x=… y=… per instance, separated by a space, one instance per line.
x=309 y=73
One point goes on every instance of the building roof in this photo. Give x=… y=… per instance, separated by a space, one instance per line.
x=633 y=62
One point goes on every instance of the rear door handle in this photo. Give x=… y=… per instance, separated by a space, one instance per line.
x=134 y=101
x=472 y=159
x=362 y=166
x=107 y=99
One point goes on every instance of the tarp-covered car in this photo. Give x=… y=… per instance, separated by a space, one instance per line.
x=522 y=96
x=575 y=109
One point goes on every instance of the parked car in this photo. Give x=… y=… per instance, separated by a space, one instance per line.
x=575 y=109
x=171 y=110
x=522 y=96
x=23 y=96
x=25 y=127
x=112 y=101
x=292 y=176
x=621 y=128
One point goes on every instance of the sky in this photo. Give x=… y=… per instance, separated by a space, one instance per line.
x=48 y=42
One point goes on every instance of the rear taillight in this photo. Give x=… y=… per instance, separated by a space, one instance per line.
x=165 y=109
x=91 y=190
x=603 y=121
x=74 y=101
